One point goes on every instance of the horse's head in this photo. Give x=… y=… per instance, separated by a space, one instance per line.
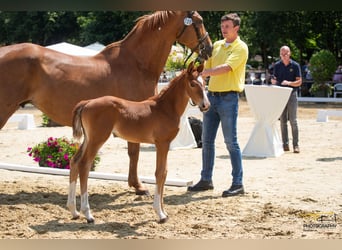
x=196 y=88
x=194 y=35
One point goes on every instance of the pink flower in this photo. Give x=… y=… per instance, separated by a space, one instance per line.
x=50 y=164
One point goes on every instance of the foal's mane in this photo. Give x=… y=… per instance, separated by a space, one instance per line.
x=171 y=85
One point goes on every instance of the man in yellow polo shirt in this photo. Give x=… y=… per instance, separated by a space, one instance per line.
x=226 y=69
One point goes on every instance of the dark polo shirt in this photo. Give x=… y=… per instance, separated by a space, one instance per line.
x=286 y=72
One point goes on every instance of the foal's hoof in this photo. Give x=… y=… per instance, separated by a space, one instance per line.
x=162 y=221
x=90 y=221
x=142 y=192
x=75 y=217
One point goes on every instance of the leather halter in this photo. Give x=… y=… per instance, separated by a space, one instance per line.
x=200 y=46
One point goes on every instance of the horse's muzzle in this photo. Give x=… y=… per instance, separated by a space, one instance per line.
x=206 y=52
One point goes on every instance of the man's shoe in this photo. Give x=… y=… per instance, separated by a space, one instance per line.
x=296 y=149
x=286 y=147
x=201 y=186
x=233 y=190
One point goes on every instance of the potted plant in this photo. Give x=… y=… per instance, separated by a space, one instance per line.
x=56 y=153
x=175 y=62
x=322 y=67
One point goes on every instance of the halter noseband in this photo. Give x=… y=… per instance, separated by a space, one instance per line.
x=200 y=46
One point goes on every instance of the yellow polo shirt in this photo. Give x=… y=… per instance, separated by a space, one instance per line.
x=235 y=55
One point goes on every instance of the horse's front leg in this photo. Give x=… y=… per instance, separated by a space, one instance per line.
x=160 y=174
x=71 y=203
x=133 y=179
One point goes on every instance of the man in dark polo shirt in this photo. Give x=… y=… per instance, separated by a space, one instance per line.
x=287 y=74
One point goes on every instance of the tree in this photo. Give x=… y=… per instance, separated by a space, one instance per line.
x=306 y=32
x=106 y=26
x=38 y=27
x=322 y=66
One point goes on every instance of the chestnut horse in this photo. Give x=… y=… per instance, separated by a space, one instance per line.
x=54 y=82
x=155 y=120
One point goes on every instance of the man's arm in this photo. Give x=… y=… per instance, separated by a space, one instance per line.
x=218 y=70
x=295 y=83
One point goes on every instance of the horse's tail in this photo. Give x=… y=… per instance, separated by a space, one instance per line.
x=77 y=126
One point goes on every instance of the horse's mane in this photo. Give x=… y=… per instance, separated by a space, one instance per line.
x=152 y=21
x=155 y=20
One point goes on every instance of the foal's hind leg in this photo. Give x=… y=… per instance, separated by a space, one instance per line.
x=84 y=174
x=71 y=203
x=90 y=150
x=92 y=144
x=133 y=180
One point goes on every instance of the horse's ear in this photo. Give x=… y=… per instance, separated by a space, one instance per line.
x=200 y=68
x=191 y=67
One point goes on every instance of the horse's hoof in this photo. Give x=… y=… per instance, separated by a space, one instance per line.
x=142 y=192
x=162 y=221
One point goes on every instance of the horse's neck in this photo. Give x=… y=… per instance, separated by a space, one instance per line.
x=151 y=48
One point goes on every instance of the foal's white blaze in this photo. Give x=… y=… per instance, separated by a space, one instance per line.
x=157 y=205
x=205 y=97
x=200 y=79
x=71 y=204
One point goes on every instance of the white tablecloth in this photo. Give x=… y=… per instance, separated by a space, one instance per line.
x=267 y=103
x=185 y=138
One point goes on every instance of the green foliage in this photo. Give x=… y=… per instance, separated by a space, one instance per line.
x=106 y=26
x=56 y=153
x=174 y=63
x=176 y=60
x=322 y=66
x=264 y=31
x=45 y=121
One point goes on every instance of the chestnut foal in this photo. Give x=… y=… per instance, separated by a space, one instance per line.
x=155 y=120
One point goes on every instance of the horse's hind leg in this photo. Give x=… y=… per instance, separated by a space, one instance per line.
x=133 y=180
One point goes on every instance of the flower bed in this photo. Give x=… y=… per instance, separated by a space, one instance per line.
x=56 y=153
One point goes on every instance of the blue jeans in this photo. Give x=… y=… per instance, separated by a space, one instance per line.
x=290 y=114
x=223 y=109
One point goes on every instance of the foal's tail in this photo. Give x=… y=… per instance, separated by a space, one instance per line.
x=77 y=127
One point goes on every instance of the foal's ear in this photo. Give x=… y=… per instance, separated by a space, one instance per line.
x=200 y=68
x=191 y=67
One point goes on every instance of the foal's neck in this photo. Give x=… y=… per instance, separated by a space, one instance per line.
x=175 y=97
